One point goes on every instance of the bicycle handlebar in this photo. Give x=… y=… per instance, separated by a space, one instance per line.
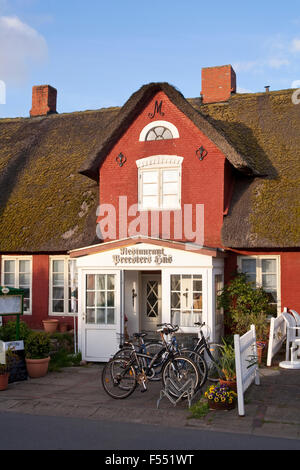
x=167 y=328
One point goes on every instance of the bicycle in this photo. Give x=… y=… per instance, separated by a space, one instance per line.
x=170 y=343
x=121 y=375
x=211 y=353
x=150 y=349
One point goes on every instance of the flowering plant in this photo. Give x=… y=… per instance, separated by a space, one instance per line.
x=220 y=394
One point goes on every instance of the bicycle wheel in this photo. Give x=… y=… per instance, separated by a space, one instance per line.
x=180 y=370
x=199 y=360
x=118 y=378
x=123 y=353
x=212 y=358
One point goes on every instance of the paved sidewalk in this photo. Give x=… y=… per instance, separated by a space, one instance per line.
x=272 y=409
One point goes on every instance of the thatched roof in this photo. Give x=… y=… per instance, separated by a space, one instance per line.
x=132 y=109
x=265 y=212
x=47 y=205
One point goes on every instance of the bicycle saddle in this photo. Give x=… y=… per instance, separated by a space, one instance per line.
x=139 y=335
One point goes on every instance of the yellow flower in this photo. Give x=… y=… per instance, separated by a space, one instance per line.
x=216 y=399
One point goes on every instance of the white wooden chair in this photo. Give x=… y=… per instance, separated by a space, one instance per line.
x=297 y=319
x=292 y=343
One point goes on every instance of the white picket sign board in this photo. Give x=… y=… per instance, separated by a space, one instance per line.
x=245 y=364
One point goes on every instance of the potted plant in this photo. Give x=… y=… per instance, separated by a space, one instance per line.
x=50 y=325
x=37 y=349
x=246 y=305
x=10 y=356
x=220 y=397
x=227 y=373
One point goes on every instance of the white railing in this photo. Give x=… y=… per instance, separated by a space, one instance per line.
x=245 y=364
x=277 y=337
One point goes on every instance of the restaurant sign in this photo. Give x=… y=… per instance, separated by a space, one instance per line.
x=156 y=256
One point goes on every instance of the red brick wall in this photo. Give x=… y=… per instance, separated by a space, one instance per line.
x=43 y=100
x=202 y=181
x=40 y=294
x=289 y=275
x=218 y=83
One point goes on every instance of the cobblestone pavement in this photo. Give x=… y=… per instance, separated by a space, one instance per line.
x=271 y=409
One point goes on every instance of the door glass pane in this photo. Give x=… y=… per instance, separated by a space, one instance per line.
x=90 y=315
x=90 y=299
x=110 y=282
x=110 y=316
x=101 y=299
x=101 y=315
x=90 y=282
x=100 y=285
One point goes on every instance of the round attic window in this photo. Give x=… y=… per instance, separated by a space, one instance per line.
x=159 y=133
x=159 y=130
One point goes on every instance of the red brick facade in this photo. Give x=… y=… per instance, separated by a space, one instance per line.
x=203 y=182
x=218 y=83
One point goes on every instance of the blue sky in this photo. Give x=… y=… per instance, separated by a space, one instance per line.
x=97 y=53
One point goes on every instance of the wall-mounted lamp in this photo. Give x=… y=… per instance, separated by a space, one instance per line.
x=121 y=159
x=201 y=153
x=134 y=295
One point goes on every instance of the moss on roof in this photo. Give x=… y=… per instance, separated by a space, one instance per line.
x=45 y=204
x=265 y=126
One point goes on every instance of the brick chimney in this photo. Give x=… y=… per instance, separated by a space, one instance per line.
x=218 y=83
x=43 y=100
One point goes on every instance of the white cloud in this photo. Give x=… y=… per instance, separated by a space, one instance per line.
x=21 y=46
x=296 y=45
x=243 y=90
x=276 y=62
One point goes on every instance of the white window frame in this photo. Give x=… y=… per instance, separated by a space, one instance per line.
x=159 y=163
x=66 y=311
x=17 y=259
x=258 y=259
x=168 y=125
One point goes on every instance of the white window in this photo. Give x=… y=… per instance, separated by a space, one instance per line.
x=159 y=182
x=159 y=130
x=186 y=299
x=63 y=282
x=264 y=272
x=17 y=272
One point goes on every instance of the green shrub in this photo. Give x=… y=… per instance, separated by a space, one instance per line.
x=62 y=358
x=37 y=345
x=8 y=331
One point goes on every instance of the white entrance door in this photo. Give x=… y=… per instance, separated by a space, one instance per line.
x=100 y=319
x=151 y=301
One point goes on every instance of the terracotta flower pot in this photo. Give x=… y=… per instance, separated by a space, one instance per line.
x=261 y=349
x=4 y=381
x=230 y=383
x=221 y=405
x=63 y=327
x=50 y=325
x=37 y=367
